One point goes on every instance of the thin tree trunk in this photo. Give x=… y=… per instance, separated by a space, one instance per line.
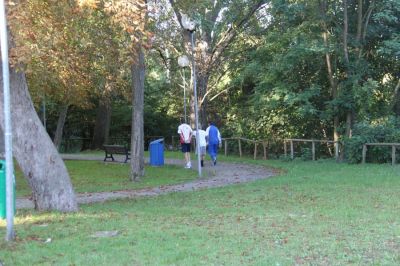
x=102 y=124
x=60 y=126
x=35 y=153
x=137 y=135
x=345 y=33
x=332 y=79
x=396 y=100
x=334 y=89
x=359 y=21
x=349 y=112
x=203 y=82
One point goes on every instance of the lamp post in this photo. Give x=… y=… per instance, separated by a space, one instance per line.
x=7 y=125
x=190 y=26
x=183 y=61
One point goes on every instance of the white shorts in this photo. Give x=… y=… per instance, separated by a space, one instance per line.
x=202 y=150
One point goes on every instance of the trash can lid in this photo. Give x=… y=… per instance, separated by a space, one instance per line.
x=156 y=141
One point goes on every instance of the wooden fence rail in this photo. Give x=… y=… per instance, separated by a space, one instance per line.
x=312 y=141
x=264 y=144
x=393 y=145
x=172 y=143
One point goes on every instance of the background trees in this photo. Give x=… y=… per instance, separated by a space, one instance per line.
x=267 y=69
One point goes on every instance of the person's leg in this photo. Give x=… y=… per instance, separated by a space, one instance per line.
x=216 y=153
x=203 y=153
x=187 y=156
x=215 y=149
x=212 y=150
x=188 y=163
x=184 y=153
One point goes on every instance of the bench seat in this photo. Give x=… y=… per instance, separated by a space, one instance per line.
x=116 y=149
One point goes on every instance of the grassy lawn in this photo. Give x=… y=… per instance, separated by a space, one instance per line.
x=315 y=213
x=94 y=176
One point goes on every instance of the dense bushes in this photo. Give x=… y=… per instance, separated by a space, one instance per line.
x=387 y=130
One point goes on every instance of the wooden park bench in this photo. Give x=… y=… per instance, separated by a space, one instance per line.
x=116 y=149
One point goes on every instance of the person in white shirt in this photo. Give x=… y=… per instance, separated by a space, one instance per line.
x=202 y=144
x=185 y=132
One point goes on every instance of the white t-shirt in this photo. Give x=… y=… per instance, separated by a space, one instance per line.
x=202 y=137
x=186 y=132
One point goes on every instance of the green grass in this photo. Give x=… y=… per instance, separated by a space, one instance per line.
x=314 y=213
x=93 y=176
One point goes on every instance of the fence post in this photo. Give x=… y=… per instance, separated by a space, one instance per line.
x=285 y=148
x=240 y=148
x=255 y=150
x=393 y=155
x=364 y=153
x=291 y=150
x=313 y=150
x=226 y=147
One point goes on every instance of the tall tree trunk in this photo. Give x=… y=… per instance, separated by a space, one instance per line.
x=137 y=135
x=203 y=83
x=334 y=89
x=102 y=124
x=35 y=153
x=62 y=116
x=396 y=100
x=349 y=112
x=331 y=76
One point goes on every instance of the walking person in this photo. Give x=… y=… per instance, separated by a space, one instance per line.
x=185 y=132
x=202 y=143
x=214 y=141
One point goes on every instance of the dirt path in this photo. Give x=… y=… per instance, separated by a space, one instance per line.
x=222 y=174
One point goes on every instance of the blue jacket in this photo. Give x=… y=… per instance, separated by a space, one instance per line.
x=213 y=135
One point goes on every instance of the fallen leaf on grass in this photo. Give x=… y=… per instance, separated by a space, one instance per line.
x=105 y=234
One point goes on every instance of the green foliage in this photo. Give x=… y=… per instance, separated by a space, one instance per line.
x=385 y=130
x=284 y=90
x=271 y=82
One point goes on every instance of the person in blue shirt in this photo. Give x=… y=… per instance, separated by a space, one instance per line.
x=214 y=141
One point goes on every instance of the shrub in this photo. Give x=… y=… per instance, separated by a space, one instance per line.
x=387 y=130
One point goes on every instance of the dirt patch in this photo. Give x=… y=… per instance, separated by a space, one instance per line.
x=223 y=174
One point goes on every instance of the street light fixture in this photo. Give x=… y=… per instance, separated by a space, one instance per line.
x=190 y=26
x=183 y=61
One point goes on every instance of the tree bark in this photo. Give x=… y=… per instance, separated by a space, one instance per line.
x=60 y=126
x=331 y=76
x=345 y=34
x=137 y=135
x=102 y=124
x=349 y=112
x=35 y=153
x=396 y=100
x=203 y=83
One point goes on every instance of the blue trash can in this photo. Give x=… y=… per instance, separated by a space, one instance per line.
x=157 y=152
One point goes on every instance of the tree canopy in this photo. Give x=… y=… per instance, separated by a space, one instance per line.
x=266 y=69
